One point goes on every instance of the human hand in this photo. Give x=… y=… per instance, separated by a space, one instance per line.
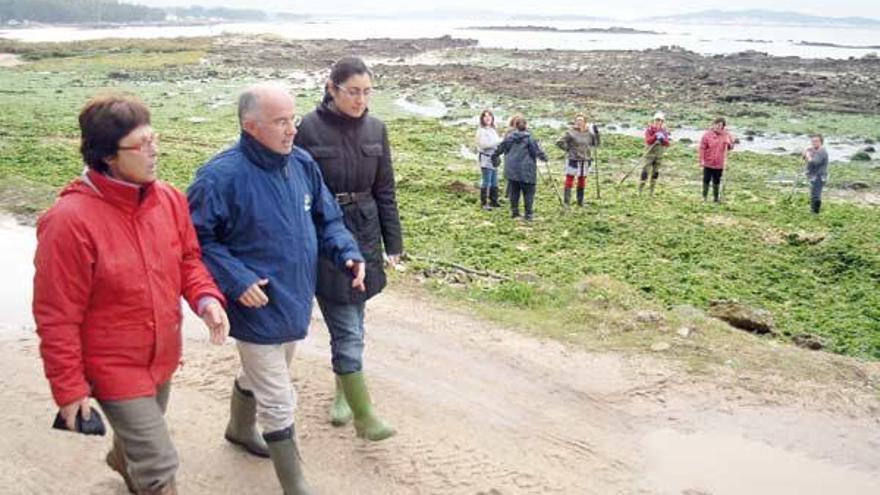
x=70 y=411
x=393 y=260
x=214 y=317
x=254 y=297
x=359 y=272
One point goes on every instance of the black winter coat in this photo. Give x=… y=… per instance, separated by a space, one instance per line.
x=355 y=157
x=520 y=152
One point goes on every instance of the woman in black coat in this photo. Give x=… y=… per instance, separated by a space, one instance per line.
x=352 y=150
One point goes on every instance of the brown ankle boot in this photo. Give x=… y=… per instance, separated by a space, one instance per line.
x=116 y=460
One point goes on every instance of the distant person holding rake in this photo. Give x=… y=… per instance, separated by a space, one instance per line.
x=816 y=157
x=657 y=139
x=714 y=146
x=578 y=144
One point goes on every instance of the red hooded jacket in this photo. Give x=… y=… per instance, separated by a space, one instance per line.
x=714 y=147
x=112 y=262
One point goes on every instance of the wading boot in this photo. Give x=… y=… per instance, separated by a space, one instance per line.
x=169 y=489
x=493 y=197
x=242 y=427
x=340 y=412
x=116 y=460
x=816 y=206
x=287 y=461
x=366 y=423
x=567 y=197
x=580 y=197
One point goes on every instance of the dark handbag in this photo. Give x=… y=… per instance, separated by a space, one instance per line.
x=94 y=425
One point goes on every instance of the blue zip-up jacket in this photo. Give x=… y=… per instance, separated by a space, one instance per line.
x=260 y=215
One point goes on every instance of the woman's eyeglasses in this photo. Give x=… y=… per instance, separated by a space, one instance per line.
x=355 y=92
x=151 y=141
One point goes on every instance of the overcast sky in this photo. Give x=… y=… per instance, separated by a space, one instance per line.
x=617 y=8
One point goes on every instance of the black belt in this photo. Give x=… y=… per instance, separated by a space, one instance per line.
x=348 y=198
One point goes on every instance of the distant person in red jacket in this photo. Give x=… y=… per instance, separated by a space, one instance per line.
x=114 y=256
x=657 y=139
x=714 y=146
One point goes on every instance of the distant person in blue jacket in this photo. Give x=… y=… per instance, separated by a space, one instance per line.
x=263 y=215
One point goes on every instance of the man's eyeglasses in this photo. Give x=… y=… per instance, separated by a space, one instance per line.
x=151 y=141
x=355 y=92
x=285 y=123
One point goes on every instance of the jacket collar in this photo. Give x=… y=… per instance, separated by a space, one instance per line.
x=327 y=110
x=126 y=196
x=260 y=155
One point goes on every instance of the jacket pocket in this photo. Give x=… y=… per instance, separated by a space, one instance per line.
x=121 y=345
x=372 y=149
x=325 y=152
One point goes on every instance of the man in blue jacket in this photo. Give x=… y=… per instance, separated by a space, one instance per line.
x=263 y=215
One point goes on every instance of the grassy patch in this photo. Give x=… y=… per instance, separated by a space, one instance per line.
x=580 y=277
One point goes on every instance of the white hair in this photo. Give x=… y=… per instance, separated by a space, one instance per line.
x=249 y=100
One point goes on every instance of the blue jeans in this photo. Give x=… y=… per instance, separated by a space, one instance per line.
x=346 y=325
x=490 y=177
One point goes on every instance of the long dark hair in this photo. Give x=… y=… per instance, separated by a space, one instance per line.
x=345 y=68
x=489 y=113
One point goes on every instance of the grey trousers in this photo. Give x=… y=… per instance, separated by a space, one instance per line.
x=139 y=430
x=265 y=371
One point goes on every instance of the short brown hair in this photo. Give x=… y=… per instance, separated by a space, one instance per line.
x=720 y=120
x=104 y=121
x=521 y=124
x=820 y=136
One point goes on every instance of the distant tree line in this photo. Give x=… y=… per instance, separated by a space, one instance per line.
x=112 y=11
x=196 y=12
x=77 y=11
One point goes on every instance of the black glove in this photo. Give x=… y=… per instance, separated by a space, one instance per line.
x=94 y=425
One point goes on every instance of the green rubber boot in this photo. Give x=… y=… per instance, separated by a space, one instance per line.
x=242 y=427
x=340 y=412
x=287 y=461
x=366 y=423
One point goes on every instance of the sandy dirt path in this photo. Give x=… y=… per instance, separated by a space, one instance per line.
x=480 y=410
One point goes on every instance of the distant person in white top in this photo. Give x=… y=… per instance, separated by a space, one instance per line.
x=487 y=142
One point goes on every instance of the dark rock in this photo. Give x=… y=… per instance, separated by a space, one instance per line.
x=802 y=238
x=809 y=341
x=746 y=318
x=119 y=75
x=861 y=156
x=686 y=141
x=460 y=187
x=856 y=186
x=869 y=149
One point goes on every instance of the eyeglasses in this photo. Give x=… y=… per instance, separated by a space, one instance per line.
x=355 y=92
x=151 y=141
x=285 y=122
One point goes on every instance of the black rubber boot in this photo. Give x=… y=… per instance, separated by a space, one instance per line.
x=287 y=461
x=484 y=198
x=567 y=196
x=580 y=197
x=816 y=206
x=493 y=197
x=242 y=427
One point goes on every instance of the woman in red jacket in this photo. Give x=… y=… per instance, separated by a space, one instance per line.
x=114 y=256
x=714 y=146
